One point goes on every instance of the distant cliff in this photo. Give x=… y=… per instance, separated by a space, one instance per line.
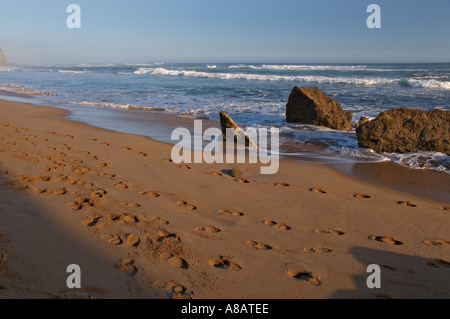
x=2 y=57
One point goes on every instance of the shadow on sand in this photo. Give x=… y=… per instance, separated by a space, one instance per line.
x=36 y=249
x=402 y=277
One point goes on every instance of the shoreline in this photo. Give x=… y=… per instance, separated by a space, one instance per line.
x=159 y=126
x=141 y=226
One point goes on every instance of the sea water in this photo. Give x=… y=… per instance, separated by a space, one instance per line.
x=253 y=94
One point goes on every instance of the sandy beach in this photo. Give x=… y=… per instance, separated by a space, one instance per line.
x=140 y=226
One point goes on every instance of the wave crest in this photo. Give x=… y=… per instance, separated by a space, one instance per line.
x=429 y=84
x=268 y=77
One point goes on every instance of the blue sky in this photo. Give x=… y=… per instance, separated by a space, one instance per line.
x=134 y=31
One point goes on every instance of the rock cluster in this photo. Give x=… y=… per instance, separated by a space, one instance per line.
x=312 y=106
x=406 y=131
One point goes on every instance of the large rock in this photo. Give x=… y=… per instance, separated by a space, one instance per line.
x=2 y=58
x=406 y=131
x=227 y=122
x=312 y=106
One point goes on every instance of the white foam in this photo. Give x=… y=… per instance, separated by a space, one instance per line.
x=211 y=66
x=268 y=77
x=143 y=71
x=118 y=106
x=72 y=71
x=7 y=69
x=429 y=84
x=96 y=65
x=24 y=89
x=297 y=67
x=239 y=66
x=422 y=160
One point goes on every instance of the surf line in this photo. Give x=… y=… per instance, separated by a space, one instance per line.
x=213 y=152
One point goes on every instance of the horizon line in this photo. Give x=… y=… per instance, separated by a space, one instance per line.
x=235 y=62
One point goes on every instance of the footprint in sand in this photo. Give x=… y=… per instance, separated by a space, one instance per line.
x=39 y=190
x=179 y=292
x=40 y=178
x=126 y=148
x=387 y=240
x=24 y=178
x=85 y=184
x=186 y=205
x=105 y=144
x=184 y=166
x=127 y=266
x=231 y=212
x=151 y=194
x=115 y=240
x=110 y=176
x=121 y=185
x=134 y=205
x=159 y=220
x=176 y=290
x=216 y=173
x=359 y=195
x=405 y=203
x=209 y=229
x=306 y=276
x=81 y=202
x=133 y=240
x=318 y=190
x=81 y=170
x=317 y=250
x=437 y=242
x=56 y=191
x=225 y=263
x=98 y=193
x=168 y=160
x=113 y=217
x=70 y=180
x=242 y=180
x=438 y=263
x=330 y=231
x=259 y=246
x=123 y=218
x=128 y=219
x=282 y=184
x=281 y=226
x=142 y=154
x=177 y=262
x=164 y=233
x=91 y=221
x=102 y=165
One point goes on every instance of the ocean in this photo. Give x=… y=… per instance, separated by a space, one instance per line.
x=253 y=94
